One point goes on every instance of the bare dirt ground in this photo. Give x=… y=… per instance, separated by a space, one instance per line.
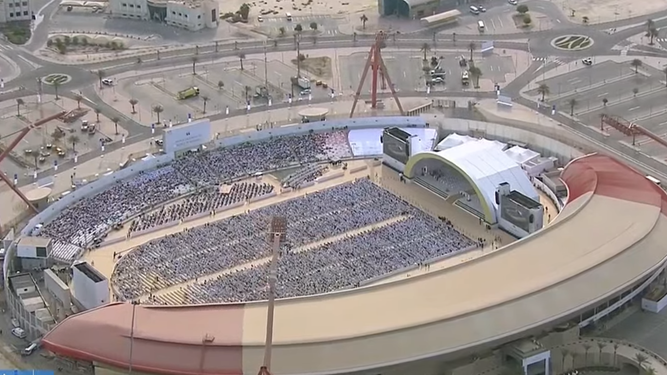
x=608 y=10
x=317 y=7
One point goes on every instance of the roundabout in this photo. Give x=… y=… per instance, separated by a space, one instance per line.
x=572 y=42
x=56 y=79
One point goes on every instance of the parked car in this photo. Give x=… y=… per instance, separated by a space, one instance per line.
x=513 y=2
x=19 y=332
x=587 y=61
x=107 y=82
x=462 y=61
x=481 y=8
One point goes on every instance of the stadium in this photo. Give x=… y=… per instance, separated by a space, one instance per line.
x=397 y=254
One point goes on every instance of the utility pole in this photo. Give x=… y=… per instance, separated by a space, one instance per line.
x=277 y=233
x=266 y=69
x=134 y=310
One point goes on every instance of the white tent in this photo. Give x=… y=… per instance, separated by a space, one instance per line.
x=487 y=166
x=521 y=155
x=453 y=140
x=495 y=144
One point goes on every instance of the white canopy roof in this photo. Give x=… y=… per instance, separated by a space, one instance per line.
x=521 y=155
x=488 y=166
x=453 y=140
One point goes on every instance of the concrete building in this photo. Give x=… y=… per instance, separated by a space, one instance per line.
x=15 y=10
x=413 y=9
x=191 y=15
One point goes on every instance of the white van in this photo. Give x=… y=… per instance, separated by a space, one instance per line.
x=29 y=349
x=480 y=26
x=474 y=9
x=19 y=332
x=288 y=16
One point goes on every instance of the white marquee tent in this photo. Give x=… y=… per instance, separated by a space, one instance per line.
x=453 y=140
x=521 y=155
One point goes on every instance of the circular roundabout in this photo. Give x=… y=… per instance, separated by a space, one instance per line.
x=572 y=42
x=56 y=79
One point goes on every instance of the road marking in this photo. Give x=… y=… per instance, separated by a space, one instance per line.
x=501 y=22
x=557 y=20
x=405 y=74
x=491 y=67
x=601 y=95
x=493 y=24
x=633 y=108
x=662 y=123
x=574 y=79
x=499 y=68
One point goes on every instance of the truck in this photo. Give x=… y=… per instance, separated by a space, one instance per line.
x=190 y=92
x=302 y=82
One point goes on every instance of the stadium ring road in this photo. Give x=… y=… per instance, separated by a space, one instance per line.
x=605 y=247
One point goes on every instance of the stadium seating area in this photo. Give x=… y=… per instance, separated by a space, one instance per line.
x=89 y=220
x=304 y=175
x=403 y=236
x=203 y=201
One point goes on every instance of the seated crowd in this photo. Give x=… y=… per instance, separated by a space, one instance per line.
x=203 y=201
x=238 y=240
x=304 y=175
x=230 y=163
x=90 y=219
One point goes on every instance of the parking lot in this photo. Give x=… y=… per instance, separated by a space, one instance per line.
x=406 y=70
x=635 y=97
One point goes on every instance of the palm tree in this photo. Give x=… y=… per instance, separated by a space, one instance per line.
x=133 y=102
x=475 y=72
x=19 y=103
x=157 y=109
x=635 y=91
x=601 y=346
x=205 y=99
x=605 y=101
x=471 y=47
x=220 y=85
x=57 y=135
x=100 y=76
x=640 y=359
x=241 y=58
x=649 y=371
x=298 y=28
x=652 y=33
x=73 y=139
x=573 y=103
x=364 y=19
x=97 y=114
x=195 y=60
x=586 y=347
x=282 y=30
x=425 y=49
x=78 y=98
x=543 y=90
x=56 y=84
x=313 y=26
x=636 y=63
x=115 y=121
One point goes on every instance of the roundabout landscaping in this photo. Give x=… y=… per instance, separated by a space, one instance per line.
x=56 y=78
x=572 y=42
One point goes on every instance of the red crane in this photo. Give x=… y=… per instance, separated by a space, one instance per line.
x=379 y=73
x=21 y=134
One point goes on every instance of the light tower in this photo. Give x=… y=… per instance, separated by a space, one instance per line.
x=379 y=73
x=277 y=230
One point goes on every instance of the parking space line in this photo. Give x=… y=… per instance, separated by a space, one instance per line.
x=601 y=95
x=633 y=108
x=500 y=21
x=662 y=123
x=491 y=67
x=493 y=24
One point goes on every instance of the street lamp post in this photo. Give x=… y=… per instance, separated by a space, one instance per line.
x=276 y=235
x=134 y=310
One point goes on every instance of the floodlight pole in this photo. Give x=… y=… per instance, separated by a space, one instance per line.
x=276 y=234
x=134 y=310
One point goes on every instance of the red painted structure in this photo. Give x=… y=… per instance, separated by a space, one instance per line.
x=629 y=128
x=21 y=134
x=378 y=73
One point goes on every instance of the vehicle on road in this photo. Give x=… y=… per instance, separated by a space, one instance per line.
x=513 y=2
x=436 y=80
x=19 y=332
x=188 y=93
x=587 y=61
x=84 y=125
x=28 y=350
x=463 y=62
x=159 y=142
x=302 y=82
x=288 y=16
x=480 y=26
x=481 y=8
x=107 y=82
x=305 y=92
x=474 y=9
x=91 y=129
x=465 y=77
x=260 y=19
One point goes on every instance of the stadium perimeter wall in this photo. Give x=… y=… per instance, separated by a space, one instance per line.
x=503 y=132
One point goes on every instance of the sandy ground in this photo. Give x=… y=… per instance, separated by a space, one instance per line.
x=297 y=7
x=608 y=10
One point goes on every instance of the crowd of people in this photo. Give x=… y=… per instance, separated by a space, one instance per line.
x=304 y=175
x=402 y=235
x=207 y=200
x=87 y=222
x=212 y=168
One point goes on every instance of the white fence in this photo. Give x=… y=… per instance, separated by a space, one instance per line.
x=545 y=189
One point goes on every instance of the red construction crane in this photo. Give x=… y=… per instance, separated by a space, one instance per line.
x=21 y=134
x=379 y=70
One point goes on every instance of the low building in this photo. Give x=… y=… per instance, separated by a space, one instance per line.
x=15 y=10
x=413 y=9
x=191 y=15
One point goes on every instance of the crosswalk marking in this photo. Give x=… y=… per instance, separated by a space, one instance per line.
x=549 y=60
x=5 y=47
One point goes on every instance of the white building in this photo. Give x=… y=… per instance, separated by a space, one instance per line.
x=15 y=10
x=192 y=15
